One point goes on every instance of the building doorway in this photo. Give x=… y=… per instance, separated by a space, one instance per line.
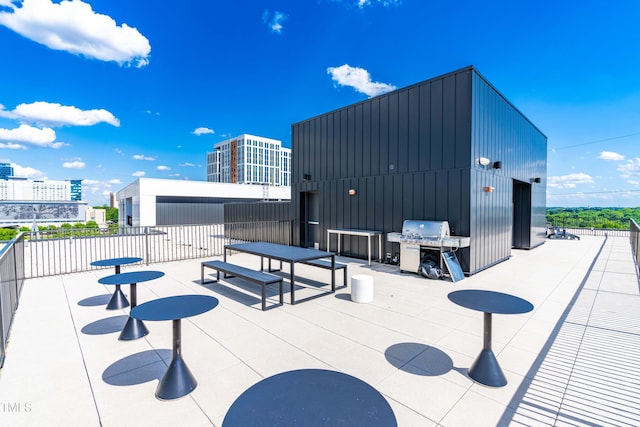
x=521 y=233
x=310 y=219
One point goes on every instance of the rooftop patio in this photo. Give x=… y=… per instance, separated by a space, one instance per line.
x=573 y=360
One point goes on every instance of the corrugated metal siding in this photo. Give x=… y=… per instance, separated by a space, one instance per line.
x=410 y=154
x=501 y=133
x=258 y=211
x=188 y=211
x=402 y=152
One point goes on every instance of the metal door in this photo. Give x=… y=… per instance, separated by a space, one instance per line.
x=310 y=215
x=521 y=215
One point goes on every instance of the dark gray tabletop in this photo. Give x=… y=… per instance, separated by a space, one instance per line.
x=174 y=308
x=490 y=301
x=130 y=277
x=310 y=397
x=279 y=252
x=111 y=262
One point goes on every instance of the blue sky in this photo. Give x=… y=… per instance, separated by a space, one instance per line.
x=108 y=91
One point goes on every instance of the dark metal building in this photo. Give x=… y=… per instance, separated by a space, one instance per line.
x=450 y=148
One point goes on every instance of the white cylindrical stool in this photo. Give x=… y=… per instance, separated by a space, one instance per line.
x=361 y=288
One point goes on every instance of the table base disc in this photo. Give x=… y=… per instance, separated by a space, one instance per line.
x=118 y=300
x=486 y=370
x=178 y=381
x=133 y=330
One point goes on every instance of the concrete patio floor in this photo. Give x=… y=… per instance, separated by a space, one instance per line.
x=573 y=360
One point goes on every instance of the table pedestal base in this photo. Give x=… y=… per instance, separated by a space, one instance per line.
x=178 y=381
x=133 y=330
x=118 y=300
x=485 y=370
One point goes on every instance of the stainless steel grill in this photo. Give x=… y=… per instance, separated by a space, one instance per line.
x=419 y=235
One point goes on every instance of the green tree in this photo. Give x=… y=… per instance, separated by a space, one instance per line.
x=111 y=214
x=7 y=234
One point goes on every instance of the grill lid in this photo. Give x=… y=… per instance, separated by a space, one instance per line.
x=422 y=229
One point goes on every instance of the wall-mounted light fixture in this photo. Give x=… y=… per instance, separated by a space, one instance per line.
x=497 y=165
x=306 y=177
x=488 y=189
x=352 y=192
x=484 y=161
x=537 y=180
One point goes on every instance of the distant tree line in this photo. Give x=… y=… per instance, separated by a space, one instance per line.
x=608 y=218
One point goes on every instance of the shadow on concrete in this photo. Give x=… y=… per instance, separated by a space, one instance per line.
x=138 y=368
x=95 y=301
x=420 y=359
x=105 y=326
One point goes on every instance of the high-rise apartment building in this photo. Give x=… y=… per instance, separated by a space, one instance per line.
x=35 y=190
x=76 y=189
x=6 y=170
x=250 y=159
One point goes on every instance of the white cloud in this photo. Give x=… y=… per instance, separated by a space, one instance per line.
x=203 y=131
x=143 y=157
x=76 y=164
x=274 y=22
x=30 y=135
x=610 y=155
x=163 y=168
x=630 y=169
x=363 y=3
x=115 y=181
x=90 y=182
x=359 y=79
x=569 y=181
x=27 y=172
x=12 y=146
x=187 y=164
x=138 y=173
x=56 y=114
x=74 y=27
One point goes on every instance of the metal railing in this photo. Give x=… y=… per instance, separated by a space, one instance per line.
x=584 y=231
x=634 y=237
x=49 y=253
x=11 y=281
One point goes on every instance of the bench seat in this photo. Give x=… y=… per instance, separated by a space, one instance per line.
x=326 y=264
x=254 y=276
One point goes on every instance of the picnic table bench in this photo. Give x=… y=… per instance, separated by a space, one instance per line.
x=254 y=276
x=326 y=264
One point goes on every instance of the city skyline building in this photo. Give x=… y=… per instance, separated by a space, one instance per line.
x=6 y=170
x=250 y=159
x=76 y=189
x=22 y=189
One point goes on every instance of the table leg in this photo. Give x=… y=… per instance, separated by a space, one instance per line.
x=333 y=274
x=486 y=370
x=293 y=284
x=380 y=247
x=178 y=381
x=134 y=328
x=328 y=237
x=369 y=248
x=118 y=300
